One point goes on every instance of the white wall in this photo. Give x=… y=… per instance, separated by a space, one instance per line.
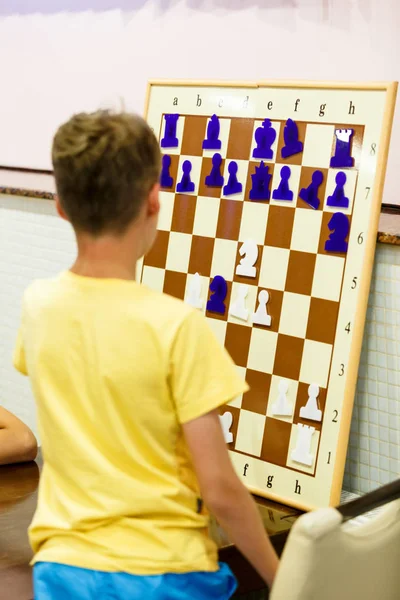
x=54 y=63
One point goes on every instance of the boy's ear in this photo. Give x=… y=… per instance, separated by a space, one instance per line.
x=60 y=209
x=153 y=204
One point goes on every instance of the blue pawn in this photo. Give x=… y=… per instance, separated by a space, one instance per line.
x=283 y=192
x=186 y=185
x=338 y=198
x=265 y=137
x=260 y=183
x=310 y=194
x=166 y=180
x=292 y=143
x=340 y=227
x=212 y=142
x=171 y=124
x=216 y=303
x=233 y=186
x=215 y=179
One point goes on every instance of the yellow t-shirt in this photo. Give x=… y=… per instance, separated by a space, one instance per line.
x=116 y=369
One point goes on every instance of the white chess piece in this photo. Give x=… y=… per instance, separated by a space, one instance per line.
x=226 y=423
x=238 y=307
x=194 y=292
x=282 y=407
x=302 y=452
x=249 y=251
x=311 y=410
x=261 y=316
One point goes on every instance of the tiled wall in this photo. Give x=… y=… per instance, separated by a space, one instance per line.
x=35 y=243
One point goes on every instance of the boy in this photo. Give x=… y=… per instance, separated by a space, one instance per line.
x=127 y=382
x=17 y=442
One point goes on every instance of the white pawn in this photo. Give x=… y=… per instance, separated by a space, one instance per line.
x=238 y=307
x=194 y=292
x=226 y=423
x=311 y=410
x=261 y=316
x=282 y=407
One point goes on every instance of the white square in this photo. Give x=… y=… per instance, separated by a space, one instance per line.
x=237 y=402
x=315 y=363
x=225 y=127
x=205 y=284
x=178 y=254
x=195 y=173
x=291 y=395
x=294 y=314
x=224 y=258
x=153 y=278
x=277 y=126
x=262 y=350
x=250 y=433
x=166 y=210
x=250 y=303
x=254 y=222
x=243 y=167
x=219 y=329
x=294 y=184
x=206 y=216
x=318 y=146
x=274 y=264
x=328 y=276
x=306 y=230
x=179 y=134
x=313 y=451
x=349 y=189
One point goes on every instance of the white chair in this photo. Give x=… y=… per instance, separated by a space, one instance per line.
x=326 y=558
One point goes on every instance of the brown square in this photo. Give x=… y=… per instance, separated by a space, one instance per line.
x=356 y=142
x=296 y=159
x=275 y=446
x=288 y=355
x=249 y=183
x=229 y=219
x=326 y=233
x=193 y=135
x=173 y=171
x=201 y=255
x=240 y=139
x=206 y=168
x=305 y=181
x=279 y=226
x=237 y=343
x=183 y=213
x=227 y=301
x=322 y=320
x=302 y=399
x=257 y=265
x=175 y=284
x=256 y=399
x=157 y=256
x=274 y=308
x=300 y=273
x=235 y=412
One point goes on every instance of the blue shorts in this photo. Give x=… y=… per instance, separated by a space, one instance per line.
x=53 y=581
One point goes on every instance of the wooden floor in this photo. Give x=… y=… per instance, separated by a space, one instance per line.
x=18 y=499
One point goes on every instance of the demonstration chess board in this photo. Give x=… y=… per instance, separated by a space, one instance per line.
x=270 y=201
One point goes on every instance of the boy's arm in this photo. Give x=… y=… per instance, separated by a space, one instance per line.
x=17 y=442
x=225 y=495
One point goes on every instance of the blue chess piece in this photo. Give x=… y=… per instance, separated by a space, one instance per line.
x=219 y=289
x=291 y=137
x=340 y=227
x=338 y=198
x=166 y=180
x=283 y=192
x=260 y=183
x=265 y=137
x=342 y=157
x=233 y=186
x=213 y=129
x=215 y=178
x=170 y=139
x=185 y=186
x=310 y=194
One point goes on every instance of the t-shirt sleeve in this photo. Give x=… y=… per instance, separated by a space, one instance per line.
x=203 y=375
x=19 y=358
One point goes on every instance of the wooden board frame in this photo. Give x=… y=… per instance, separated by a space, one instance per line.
x=332 y=483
